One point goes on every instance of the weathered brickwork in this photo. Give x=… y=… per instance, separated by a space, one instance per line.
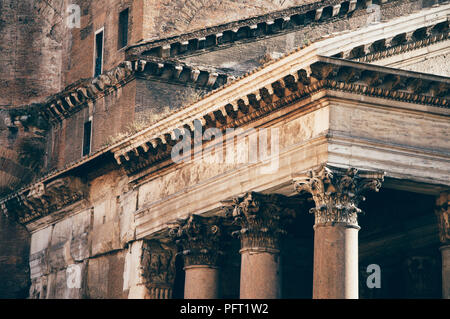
x=95 y=16
x=33 y=42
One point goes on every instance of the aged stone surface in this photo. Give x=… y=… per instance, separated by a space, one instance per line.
x=262 y=219
x=337 y=193
x=200 y=238
x=158 y=264
x=42 y=198
x=99 y=222
x=33 y=42
x=436 y=65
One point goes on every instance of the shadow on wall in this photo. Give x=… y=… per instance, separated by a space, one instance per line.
x=14 y=266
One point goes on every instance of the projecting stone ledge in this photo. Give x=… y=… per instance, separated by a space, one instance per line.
x=294 y=18
x=42 y=199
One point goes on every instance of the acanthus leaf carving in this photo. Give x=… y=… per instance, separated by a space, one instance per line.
x=337 y=192
x=262 y=220
x=201 y=239
x=158 y=269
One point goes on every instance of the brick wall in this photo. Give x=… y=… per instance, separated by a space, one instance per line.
x=32 y=45
x=111 y=115
x=97 y=14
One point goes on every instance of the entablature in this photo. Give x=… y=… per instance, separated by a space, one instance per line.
x=227 y=109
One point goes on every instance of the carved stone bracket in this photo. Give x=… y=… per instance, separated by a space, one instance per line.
x=158 y=269
x=44 y=198
x=200 y=238
x=337 y=192
x=262 y=220
x=442 y=213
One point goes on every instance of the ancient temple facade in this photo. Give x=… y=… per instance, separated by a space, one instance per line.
x=228 y=149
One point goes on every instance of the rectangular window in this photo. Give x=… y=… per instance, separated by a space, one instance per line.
x=87 y=138
x=98 y=53
x=123 y=29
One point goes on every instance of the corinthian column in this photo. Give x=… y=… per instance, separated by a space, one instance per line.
x=443 y=214
x=261 y=219
x=200 y=238
x=158 y=269
x=336 y=193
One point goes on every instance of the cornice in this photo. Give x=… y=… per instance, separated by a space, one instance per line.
x=78 y=95
x=402 y=43
x=326 y=73
x=43 y=199
x=294 y=18
x=281 y=82
x=65 y=103
x=173 y=71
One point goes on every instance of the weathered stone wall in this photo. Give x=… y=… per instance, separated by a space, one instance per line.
x=155 y=96
x=33 y=43
x=438 y=65
x=83 y=255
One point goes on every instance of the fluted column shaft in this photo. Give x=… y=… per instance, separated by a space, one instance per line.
x=336 y=193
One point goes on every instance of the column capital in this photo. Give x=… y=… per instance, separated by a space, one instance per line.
x=262 y=220
x=158 y=268
x=200 y=238
x=442 y=211
x=337 y=192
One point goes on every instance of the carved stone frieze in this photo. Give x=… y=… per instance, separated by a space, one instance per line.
x=442 y=213
x=262 y=220
x=337 y=192
x=44 y=198
x=200 y=238
x=158 y=269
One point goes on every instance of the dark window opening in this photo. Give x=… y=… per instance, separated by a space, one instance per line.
x=123 y=28
x=87 y=138
x=98 y=53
